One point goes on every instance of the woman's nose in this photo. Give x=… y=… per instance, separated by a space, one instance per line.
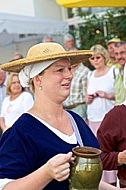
x=68 y=74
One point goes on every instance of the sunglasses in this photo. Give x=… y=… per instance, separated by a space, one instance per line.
x=97 y=57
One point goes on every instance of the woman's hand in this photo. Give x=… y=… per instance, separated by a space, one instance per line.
x=122 y=157
x=89 y=98
x=102 y=94
x=106 y=186
x=58 y=167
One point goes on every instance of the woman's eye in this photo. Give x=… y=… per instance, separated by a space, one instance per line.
x=60 y=70
x=69 y=68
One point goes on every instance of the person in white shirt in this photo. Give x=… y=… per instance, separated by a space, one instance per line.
x=100 y=95
x=17 y=102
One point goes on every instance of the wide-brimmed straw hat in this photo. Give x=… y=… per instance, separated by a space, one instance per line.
x=43 y=52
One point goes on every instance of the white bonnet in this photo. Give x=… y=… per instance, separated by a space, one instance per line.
x=33 y=70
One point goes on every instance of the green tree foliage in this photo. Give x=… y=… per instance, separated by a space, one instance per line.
x=99 y=28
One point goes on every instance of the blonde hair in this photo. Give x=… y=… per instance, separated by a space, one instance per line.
x=9 y=82
x=99 y=49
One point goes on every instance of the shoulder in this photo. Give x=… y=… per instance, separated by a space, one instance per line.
x=6 y=99
x=26 y=95
x=112 y=123
x=111 y=113
x=86 y=68
x=75 y=115
x=115 y=69
x=114 y=116
x=90 y=74
x=87 y=136
x=78 y=119
x=82 y=66
x=22 y=124
x=118 y=108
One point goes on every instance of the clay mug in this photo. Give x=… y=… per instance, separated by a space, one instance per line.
x=86 y=170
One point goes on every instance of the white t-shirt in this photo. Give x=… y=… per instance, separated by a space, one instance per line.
x=12 y=110
x=100 y=106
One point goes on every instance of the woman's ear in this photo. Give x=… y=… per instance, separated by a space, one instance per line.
x=37 y=81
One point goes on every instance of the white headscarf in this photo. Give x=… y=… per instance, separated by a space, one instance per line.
x=33 y=70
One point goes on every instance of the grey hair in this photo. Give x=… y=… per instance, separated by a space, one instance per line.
x=118 y=44
x=47 y=37
x=68 y=37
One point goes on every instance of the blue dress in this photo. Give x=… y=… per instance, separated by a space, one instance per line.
x=29 y=144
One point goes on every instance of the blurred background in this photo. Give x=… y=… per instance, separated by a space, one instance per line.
x=24 y=23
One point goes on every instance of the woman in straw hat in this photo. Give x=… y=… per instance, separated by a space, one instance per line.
x=35 y=153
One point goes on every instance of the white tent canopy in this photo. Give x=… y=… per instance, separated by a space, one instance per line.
x=15 y=28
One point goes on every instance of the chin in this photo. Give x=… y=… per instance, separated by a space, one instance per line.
x=122 y=63
x=65 y=96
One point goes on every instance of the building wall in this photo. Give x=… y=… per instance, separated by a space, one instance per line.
x=38 y=8
x=19 y=7
x=7 y=52
x=47 y=9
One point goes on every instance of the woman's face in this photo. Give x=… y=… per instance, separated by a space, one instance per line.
x=98 y=61
x=15 y=86
x=56 y=80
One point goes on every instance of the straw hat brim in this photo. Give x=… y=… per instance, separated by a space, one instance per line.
x=75 y=57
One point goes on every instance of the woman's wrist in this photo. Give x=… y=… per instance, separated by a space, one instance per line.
x=110 y=96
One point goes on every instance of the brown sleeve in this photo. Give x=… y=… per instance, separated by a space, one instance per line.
x=108 y=135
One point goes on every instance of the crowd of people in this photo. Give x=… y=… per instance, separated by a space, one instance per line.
x=50 y=102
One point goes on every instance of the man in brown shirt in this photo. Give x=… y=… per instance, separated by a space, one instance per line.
x=112 y=138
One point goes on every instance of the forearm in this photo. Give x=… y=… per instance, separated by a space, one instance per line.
x=34 y=181
x=110 y=96
x=2 y=124
x=109 y=160
x=105 y=186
